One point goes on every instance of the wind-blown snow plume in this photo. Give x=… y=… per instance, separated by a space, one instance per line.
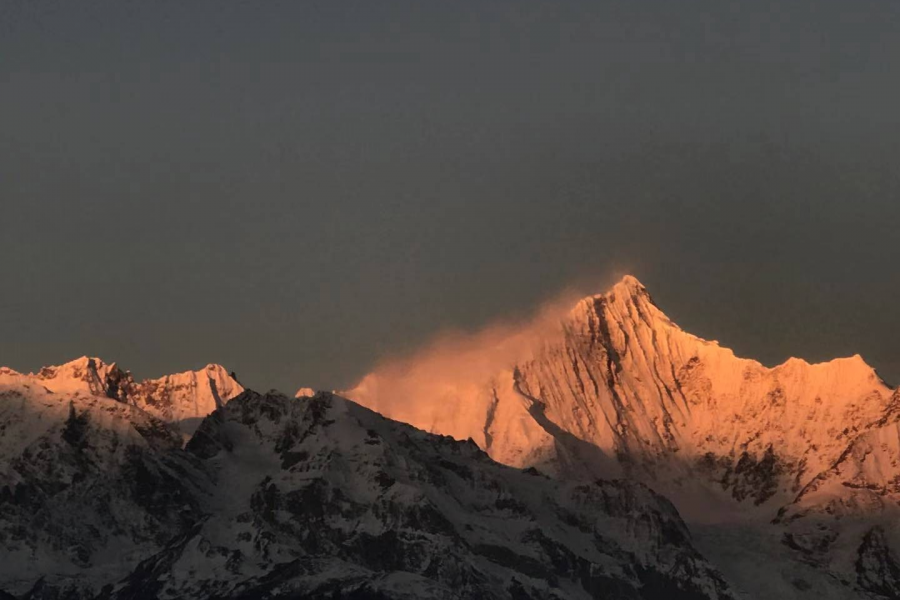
x=457 y=364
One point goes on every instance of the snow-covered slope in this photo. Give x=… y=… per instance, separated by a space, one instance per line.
x=616 y=388
x=321 y=498
x=91 y=474
x=314 y=497
x=621 y=377
x=185 y=398
x=182 y=399
x=88 y=484
x=847 y=519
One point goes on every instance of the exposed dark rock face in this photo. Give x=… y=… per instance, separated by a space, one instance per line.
x=877 y=568
x=748 y=476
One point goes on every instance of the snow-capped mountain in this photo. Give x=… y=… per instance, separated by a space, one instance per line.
x=615 y=388
x=314 y=497
x=186 y=398
x=322 y=498
x=788 y=477
x=88 y=484
x=182 y=399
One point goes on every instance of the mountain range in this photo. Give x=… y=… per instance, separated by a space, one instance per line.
x=599 y=453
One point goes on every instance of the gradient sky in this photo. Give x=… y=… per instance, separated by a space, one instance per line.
x=299 y=189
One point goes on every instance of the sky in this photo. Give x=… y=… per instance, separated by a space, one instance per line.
x=299 y=190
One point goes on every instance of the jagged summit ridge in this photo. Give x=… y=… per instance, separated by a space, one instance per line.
x=180 y=398
x=629 y=299
x=187 y=396
x=621 y=376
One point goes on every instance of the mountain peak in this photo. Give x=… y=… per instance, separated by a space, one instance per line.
x=86 y=375
x=81 y=365
x=628 y=287
x=185 y=398
x=622 y=379
x=629 y=284
x=627 y=290
x=305 y=392
x=626 y=301
x=181 y=398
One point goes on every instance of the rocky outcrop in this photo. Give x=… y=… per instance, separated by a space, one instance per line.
x=877 y=567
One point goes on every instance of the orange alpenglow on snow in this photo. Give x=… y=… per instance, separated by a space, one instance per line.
x=182 y=399
x=613 y=387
